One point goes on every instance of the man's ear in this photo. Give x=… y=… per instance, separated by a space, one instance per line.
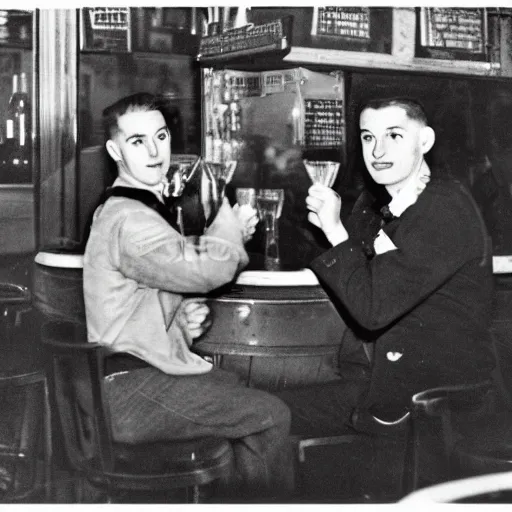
x=428 y=137
x=113 y=150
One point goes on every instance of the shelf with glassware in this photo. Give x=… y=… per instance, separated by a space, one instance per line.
x=285 y=129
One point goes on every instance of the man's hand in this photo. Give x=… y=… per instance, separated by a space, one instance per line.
x=324 y=206
x=248 y=218
x=196 y=317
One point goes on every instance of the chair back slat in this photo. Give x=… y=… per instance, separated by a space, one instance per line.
x=79 y=394
x=435 y=413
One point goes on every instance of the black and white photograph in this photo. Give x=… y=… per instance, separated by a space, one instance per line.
x=255 y=255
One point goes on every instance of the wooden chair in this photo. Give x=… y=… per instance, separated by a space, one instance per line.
x=441 y=419
x=368 y=465
x=475 y=439
x=416 y=449
x=116 y=468
x=25 y=430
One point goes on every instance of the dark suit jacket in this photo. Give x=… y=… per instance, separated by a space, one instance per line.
x=426 y=305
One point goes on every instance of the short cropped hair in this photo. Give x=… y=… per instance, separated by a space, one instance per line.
x=138 y=102
x=413 y=108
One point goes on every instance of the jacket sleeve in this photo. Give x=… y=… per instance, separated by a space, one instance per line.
x=152 y=253
x=434 y=240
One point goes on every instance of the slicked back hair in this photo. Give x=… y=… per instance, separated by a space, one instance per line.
x=138 y=102
x=413 y=108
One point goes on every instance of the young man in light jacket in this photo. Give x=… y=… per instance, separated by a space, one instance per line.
x=137 y=268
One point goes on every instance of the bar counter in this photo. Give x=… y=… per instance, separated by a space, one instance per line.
x=276 y=329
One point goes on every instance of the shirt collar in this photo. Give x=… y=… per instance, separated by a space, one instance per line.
x=409 y=194
x=122 y=181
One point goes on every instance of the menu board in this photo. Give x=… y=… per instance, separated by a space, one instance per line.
x=324 y=125
x=351 y=22
x=105 y=29
x=358 y=29
x=452 y=33
x=455 y=28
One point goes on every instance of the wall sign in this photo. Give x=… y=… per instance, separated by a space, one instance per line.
x=351 y=22
x=452 y=33
x=323 y=123
x=358 y=29
x=105 y=29
x=453 y=28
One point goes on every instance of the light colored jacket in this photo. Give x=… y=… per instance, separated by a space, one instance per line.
x=136 y=270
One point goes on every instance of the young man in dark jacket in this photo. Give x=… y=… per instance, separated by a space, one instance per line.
x=412 y=273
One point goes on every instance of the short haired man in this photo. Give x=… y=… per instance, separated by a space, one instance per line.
x=411 y=268
x=137 y=268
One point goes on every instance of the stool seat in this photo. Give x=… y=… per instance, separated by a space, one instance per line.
x=486 y=446
x=179 y=457
x=59 y=259
x=58 y=285
x=13 y=293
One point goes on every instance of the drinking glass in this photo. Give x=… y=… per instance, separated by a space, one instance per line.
x=322 y=171
x=220 y=173
x=269 y=203
x=246 y=196
x=178 y=175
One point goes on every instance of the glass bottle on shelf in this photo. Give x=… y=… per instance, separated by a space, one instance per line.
x=235 y=125
x=3 y=153
x=18 y=126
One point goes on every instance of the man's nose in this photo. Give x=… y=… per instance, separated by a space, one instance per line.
x=379 y=149
x=152 y=148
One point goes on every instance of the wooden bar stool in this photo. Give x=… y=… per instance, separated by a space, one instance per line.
x=181 y=468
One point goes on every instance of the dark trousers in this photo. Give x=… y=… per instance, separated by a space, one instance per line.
x=324 y=409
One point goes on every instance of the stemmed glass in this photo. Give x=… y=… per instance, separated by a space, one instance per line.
x=180 y=172
x=220 y=174
x=269 y=202
x=322 y=171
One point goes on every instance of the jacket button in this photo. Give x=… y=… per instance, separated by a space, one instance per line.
x=393 y=356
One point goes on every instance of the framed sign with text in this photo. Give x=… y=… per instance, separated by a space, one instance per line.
x=106 y=29
x=365 y=29
x=452 y=33
x=324 y=125
x=350 y=22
